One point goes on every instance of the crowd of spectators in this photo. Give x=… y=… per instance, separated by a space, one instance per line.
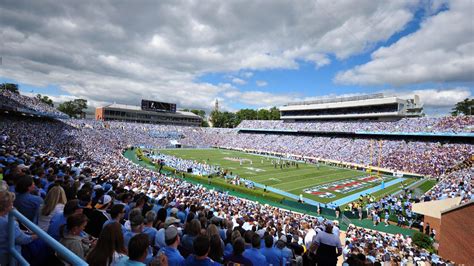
x=367 y=247
x=110 y=211
x=419 y=157
x=23 y=103
x=448 y=124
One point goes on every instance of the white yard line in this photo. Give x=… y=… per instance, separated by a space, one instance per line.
x=286 y=183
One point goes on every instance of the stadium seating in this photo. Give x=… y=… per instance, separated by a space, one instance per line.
x=84 y=158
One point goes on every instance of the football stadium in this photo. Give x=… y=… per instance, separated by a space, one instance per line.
x=196 y=141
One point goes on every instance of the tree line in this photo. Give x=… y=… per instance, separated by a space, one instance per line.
x=231 y=119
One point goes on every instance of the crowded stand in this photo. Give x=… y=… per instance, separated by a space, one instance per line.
x=70 y=178
x=22 y=103
x=367 y=247
x=424 y=158
x=454 y=124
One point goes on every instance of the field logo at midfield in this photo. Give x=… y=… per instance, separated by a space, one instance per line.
x=315 y=191
x=342 y=186
x=258 y=170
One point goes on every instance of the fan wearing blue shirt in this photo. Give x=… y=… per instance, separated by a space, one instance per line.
x=6 y=205
x=254 y=254
x=201 y=247
x=71 y=207
x=25 y=202
x=171 y=250
x=137 y=251
x=272 y=255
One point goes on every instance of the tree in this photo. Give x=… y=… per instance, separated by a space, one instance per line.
x=10 y=87
x=245 y=114
x=204 y=123
x=223 y=119
x=45 y=99
x=422 y=240
x=263 y=114
x=74 y=108
x=229 y=119
x=464 y=107
x=274 y=113
x=215 y=119
x=200 y=113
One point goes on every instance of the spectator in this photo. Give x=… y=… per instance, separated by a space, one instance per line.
x=285 y=251
x=137 y=251
x=99 y=216
x=72 y=239
x=216 y=252
x=110 y=248
x=25 y=202
x=272 y=255
x=136 y=226
x=328 y=246
x=192 y=231
x=201 y=247
x=171 y=249
x=232 y=236
x=253 y=254
x=59 y=219
x=117 y=213
x=148 y=228
x=236 y=257
x=6 y=205
x=54 y=204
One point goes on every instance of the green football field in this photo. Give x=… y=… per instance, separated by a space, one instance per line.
x=325 y=184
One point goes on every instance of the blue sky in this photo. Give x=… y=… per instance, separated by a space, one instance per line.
x=242 y=58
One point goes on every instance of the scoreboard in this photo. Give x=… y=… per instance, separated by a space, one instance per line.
x=158 y=106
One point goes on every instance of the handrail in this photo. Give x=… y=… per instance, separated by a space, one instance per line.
x=60 y=249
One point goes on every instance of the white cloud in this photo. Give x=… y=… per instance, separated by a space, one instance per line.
x=441 y=51
x=260 y=98
x=261 y=83
x=98 y=51
x=247 y=74
x=446 y=97
x=239 y=81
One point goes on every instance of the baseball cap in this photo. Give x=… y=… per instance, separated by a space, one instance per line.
x=104 y=200
x=170 y=233
x=171 y=220
x=174 y=210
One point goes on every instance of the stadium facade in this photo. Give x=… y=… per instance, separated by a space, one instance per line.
x=129 y=113
x=374 y=106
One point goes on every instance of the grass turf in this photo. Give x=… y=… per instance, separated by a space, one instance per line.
x=427 y=185
x=292 y=180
